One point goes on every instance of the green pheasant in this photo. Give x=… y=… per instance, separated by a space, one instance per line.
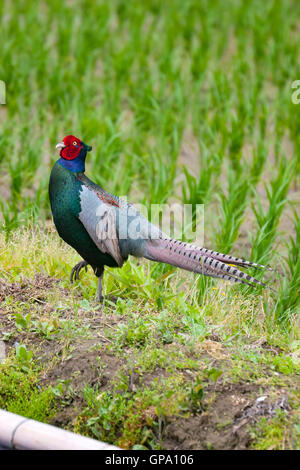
x=105 y=230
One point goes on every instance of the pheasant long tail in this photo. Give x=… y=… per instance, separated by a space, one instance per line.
x=201 y=260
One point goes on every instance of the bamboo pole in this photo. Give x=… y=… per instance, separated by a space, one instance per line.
x=17 y=432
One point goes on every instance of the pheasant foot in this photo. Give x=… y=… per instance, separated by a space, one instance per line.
x=76 y=270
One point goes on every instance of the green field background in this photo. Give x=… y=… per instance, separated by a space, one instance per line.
x=182 y=101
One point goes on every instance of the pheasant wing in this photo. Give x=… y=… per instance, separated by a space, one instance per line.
x=99 y=219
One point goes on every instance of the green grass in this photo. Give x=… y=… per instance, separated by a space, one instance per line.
x=186 y=102
x=20 y=392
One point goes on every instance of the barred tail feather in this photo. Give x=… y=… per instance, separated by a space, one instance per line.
x=226 y=258
x=233 y=260
x=200 y=260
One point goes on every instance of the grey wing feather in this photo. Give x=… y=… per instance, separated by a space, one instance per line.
x=99 y=219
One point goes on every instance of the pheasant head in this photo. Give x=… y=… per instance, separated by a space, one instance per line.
x=73 y=153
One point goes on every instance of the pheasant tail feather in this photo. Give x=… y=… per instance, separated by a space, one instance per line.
x=200 y=260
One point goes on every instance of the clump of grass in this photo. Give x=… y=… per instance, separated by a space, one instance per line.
x=288 y=302
x=258 y=162
x=274 y=434
x=233 y=207
x=129 y=419
x=198 y=190
x=10 y=218
x=268 y=220
x=20 y=392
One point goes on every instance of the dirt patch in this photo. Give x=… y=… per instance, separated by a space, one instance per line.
x=81 y=360
x=33 y=293
x=27 y=289
x=225 y=423
x=87 y=364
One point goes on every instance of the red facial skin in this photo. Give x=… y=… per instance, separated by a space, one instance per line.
x=72 y=147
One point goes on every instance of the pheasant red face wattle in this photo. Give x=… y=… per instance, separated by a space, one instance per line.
x=70 y=147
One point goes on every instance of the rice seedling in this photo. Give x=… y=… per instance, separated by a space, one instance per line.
x=232 y=210
x=287 y=304
x=199 y=190
x=268 y=220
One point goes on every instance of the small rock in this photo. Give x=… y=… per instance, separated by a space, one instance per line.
x=262 y=398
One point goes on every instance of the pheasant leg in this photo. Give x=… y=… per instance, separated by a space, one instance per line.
x=99 y=296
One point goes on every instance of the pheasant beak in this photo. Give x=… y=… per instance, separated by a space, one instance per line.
x=88 y=148
x=61 y=145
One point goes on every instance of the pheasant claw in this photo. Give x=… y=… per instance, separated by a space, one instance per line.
x=76 y=270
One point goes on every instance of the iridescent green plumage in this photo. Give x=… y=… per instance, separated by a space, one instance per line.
x=64 y=193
